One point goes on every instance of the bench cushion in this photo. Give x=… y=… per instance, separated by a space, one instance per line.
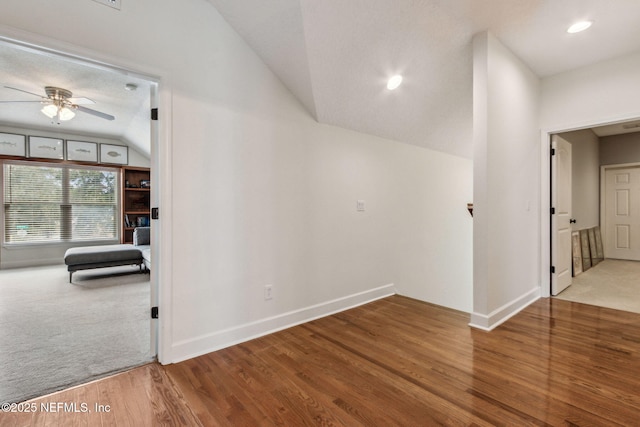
x=101 y=254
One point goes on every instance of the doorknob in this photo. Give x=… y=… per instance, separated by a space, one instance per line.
x=572 y=221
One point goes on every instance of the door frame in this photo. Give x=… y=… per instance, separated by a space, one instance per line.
x=545 y=189
x=160 y=159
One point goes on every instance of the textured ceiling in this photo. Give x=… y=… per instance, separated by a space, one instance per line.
x=31 y=71
x=335 y=56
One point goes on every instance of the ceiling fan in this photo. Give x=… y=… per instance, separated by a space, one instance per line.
x=59 y=104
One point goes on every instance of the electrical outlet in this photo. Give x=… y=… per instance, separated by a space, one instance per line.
x=111 y=3
x=268 y=292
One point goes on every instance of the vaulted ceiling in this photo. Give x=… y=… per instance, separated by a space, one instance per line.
x=335 y=56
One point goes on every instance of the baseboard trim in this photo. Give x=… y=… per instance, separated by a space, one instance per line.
x=504 y=313
x=188 y=349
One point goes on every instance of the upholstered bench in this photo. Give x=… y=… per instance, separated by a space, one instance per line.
x=87 y=257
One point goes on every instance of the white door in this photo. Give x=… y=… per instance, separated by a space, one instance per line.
x=561 y=258
x=622 y=213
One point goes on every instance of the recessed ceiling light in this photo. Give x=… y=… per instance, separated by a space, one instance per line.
x=579 y=26
x=394 y=82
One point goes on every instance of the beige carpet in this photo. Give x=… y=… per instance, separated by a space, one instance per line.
x=612 y=283
x=54 y=334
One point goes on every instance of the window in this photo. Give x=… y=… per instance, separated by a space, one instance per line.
x=59 y=203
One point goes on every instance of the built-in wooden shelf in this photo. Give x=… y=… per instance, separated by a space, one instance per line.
x=136 y=200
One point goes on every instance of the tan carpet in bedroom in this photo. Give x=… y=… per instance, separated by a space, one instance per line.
x=54 y=334
x=612 y=283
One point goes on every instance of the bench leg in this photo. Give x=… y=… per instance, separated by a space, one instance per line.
x=70 y=276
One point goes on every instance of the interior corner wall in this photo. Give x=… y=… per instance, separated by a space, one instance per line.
x=506 y=184
x=585 y=180
x=263 y=194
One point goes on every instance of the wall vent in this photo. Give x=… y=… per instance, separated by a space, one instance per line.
x=111 y=3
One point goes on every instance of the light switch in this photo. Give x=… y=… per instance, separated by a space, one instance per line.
x=360 y=206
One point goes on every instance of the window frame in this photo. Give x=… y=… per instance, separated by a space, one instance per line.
x=63 y=165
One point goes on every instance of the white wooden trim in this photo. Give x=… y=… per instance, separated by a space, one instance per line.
x=620 y=165
x=165 y=223
x=161 y=263
x=504 y=313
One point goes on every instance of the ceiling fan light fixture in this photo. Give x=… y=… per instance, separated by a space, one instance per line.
x=579 y=26
x=50 y=110
x=66 y=113
x=394 y=82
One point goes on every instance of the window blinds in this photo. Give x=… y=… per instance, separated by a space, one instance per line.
x=51 y=203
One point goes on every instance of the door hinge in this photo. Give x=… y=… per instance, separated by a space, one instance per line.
x=553 y=211
x=553 y=151
x=154 y=312
x=553 y=270
x=154 y=213
x=154 y=114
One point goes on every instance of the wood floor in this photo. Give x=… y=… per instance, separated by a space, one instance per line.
x=396 y=361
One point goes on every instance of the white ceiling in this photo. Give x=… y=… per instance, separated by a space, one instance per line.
x=31 y=71
x=335 y=55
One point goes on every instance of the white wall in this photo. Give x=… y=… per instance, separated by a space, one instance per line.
x=598 y=94
x=506 y=183
x=585 y=180
x=262 y=194
x=619 y=149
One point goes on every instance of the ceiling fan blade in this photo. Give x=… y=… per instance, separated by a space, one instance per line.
x=81 y=101
x=30 y=93
x=93 y=112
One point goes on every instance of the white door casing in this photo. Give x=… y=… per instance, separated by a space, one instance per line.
x=65 y=51
x=621 y=222
x=561 y=258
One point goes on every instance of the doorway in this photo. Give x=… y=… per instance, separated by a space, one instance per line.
x=139 y=123
x=594 y=151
